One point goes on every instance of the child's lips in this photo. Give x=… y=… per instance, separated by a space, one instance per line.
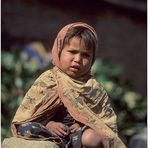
x=75 y=68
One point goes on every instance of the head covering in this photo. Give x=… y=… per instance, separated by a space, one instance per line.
x=60 y=38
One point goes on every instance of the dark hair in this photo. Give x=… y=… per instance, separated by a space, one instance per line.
x=83 y=33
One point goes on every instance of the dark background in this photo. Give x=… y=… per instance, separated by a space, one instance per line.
x=120 y=25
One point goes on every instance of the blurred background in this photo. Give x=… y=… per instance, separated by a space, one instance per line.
x=28 y=30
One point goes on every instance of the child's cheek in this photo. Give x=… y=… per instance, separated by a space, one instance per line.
x=86 y=62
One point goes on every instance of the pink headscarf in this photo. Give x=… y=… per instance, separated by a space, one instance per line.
x=60 y=38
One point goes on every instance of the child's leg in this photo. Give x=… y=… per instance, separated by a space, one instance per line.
x=91 y=140
x=33 y=130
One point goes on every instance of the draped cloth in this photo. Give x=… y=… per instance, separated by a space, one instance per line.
x=85 y=99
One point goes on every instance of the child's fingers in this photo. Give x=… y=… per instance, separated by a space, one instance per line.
x=57 y=128
x=62 y=131
x=73 y=130
x=72 y=127
x=57 y=132
x=62 y=126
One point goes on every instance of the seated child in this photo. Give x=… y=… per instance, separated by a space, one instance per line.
x=66 y=104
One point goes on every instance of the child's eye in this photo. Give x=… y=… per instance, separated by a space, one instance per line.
x=72 y=51
x=86 y=55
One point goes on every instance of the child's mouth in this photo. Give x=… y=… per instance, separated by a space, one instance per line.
x=75 y=68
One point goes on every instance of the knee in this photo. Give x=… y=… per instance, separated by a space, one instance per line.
x=91 y=140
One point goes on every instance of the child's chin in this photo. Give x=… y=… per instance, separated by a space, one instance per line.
x=74 y=75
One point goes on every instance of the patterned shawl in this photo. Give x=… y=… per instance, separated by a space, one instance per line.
x=85 y=99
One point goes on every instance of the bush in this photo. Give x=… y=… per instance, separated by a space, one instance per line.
x=17 y=76
x=129 y=105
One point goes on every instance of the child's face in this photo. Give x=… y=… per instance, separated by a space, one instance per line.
x=75 y=59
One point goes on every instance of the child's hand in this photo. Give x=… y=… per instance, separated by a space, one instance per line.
x=74 y=127
x=57 y=128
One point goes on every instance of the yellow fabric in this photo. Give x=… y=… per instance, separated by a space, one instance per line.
x=87 y=102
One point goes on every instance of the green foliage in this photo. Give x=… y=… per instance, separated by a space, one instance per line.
x=18 y=75
x=129 y=105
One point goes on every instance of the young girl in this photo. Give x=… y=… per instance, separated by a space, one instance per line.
x=66 y=104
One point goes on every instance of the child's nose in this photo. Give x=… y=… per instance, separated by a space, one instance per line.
x=77 y=58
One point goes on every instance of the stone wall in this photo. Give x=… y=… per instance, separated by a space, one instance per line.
x=14 y=142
